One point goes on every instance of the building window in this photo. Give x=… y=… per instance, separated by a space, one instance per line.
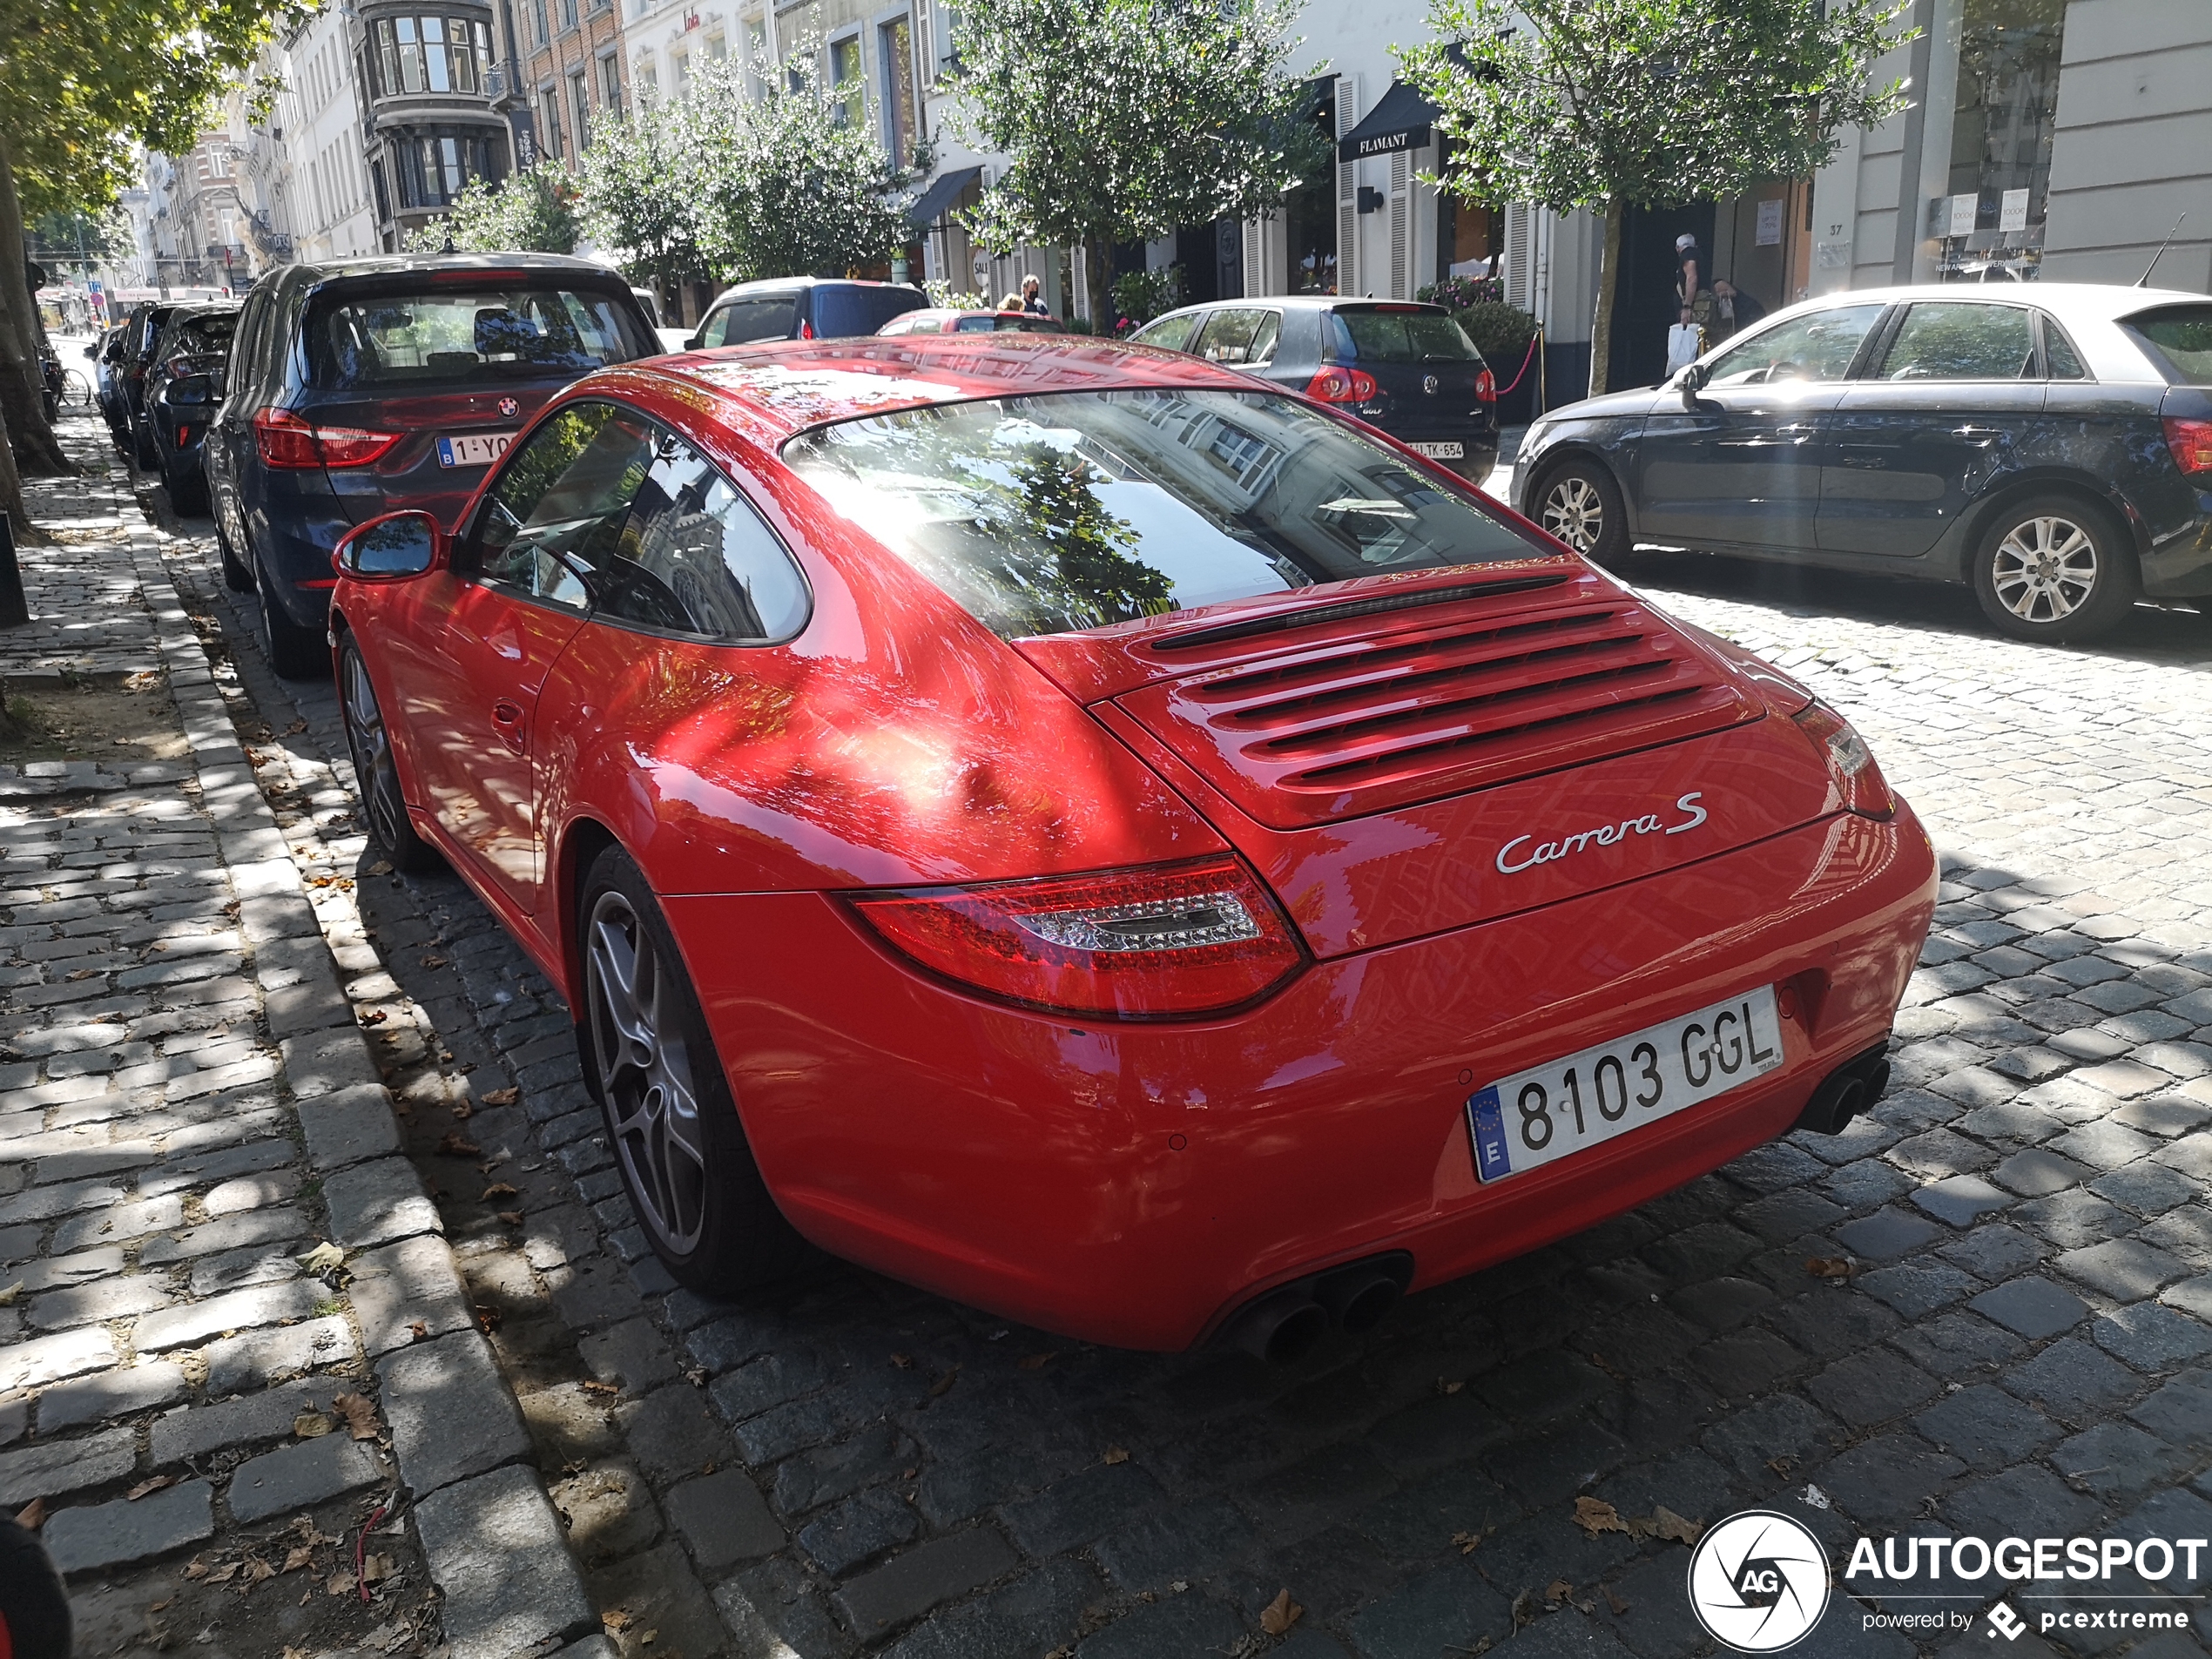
x=679 y=74
x=433 y=171
x=947 y=31
x=580 y=110
x=431 y=55
x=894 y=49
x=2001 y=132
x=548 y=120
x=610 y=84
x=568 y=16
x=718 y=46
x=646 y=78
x=851 y=105
x=1310 y=214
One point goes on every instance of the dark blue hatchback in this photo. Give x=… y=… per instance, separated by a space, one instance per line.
x=363 y=387
x=2048 y=445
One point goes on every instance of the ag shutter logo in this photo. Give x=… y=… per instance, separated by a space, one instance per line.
x=1758 y=1581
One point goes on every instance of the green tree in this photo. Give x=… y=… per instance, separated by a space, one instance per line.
x=80 y=80
x=1613 y=104
x=1122 y=119
x=531 y=212
x=643 y=194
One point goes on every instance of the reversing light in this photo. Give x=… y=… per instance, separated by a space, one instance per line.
x=1335 y=385
x=2190 y=442
x=1860 y=787
x=1164 y=941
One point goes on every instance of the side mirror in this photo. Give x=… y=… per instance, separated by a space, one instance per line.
x=692 y=344
x=1691 y=379
x=391 y=548
x=93 y=352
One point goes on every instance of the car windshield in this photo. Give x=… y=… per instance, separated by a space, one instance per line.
x=460 y=335
x=1367 y=336
x=1050 y=514
x=2179 y=340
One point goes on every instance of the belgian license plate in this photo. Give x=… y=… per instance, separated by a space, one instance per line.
x=1555 y=1111
x=473 y=449
x=1441 y=451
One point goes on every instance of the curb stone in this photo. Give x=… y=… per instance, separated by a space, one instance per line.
x=503 y=1519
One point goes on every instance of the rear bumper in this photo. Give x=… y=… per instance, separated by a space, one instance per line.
x=1132 y=1184
x=2178 y=565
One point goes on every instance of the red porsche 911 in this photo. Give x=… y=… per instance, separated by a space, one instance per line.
x=1123 y=847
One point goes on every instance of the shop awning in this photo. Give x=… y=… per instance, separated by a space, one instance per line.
x=1401 y=121
x=943 y=191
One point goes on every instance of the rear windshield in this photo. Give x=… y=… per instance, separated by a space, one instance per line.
x=197 y=336
x=2178 y=342
x=842 y=311
x=1399 y=337
x=1006 y=322
x=1046 y=515
x=459 y=336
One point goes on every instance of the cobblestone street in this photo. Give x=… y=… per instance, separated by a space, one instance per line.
x=2017 y=1345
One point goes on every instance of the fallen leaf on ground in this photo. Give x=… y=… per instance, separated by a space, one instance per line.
x=257 y=1570
x=434 y=962
x=380 y=867
x=33 y=1515
x=360 y=1413
x=1034 y=1361
x=323 y=1258
x=457 y=1146
x=1557 y=1591
x=8 y=1295
x=600 y=1388
x=1620 y=1608
x=1780 y=1465
x=298 y=1556
x=1117 y=1454
x=1524 y=1609
x=1446 y=1385
x=310 y=1425
x=1594 y=1515
x=1279 y=1615
x=617 y=1620
x=82 y=974
x=145 y=1486
x=904 y=1361
x=295 y=728
x=512 y=1217
x=1665 y=1523
x=489 y=1319
x=506 y=1097
x=342 y=1584
x=498 y=1189
x=1829 y=1266
x=943 y=1385
x=375 y=1568
x=418 y=1330
x=462 y=1109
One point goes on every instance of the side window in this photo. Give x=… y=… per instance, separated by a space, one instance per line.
x=1820 y=347
x=715 y=328
x=769 y=318
x=246 y=348
x=2060 y=360
x=550 y=527
x=1228 y=335
x=1262 y=350
x=695 y=559
x=1949 y=341
x=1171 y=333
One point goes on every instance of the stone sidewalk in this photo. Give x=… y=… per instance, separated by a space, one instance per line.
x=235 y=1353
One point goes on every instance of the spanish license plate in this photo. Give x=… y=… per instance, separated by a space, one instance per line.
x=1555 y=1111
x=473 y=449
x=1441 y=451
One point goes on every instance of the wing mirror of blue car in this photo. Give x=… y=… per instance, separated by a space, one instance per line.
x=391 y=548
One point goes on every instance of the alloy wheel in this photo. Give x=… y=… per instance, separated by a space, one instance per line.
x=2045 y=569
x=1574 y=512
x=371 y=747
x=645 y=1077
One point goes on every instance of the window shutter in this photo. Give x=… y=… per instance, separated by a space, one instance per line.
x=1401 y=225
x=1518 y=273
x=1255 y=257
x=1347 y=190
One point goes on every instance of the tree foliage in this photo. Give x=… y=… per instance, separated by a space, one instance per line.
x=1610 y=104
x=1124 y=119
x=644 y=194
x=531 y=212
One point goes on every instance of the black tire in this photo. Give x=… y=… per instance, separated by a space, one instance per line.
x=187 y=487
x=295 y=653
x=236 y=576
x=391 y=833
x=690 y=1176
x=144 y=454
x=2053 y=569
x=1578 y=502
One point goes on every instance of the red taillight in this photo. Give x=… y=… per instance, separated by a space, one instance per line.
x=1173 y=939
x=1334 y=385
x=1860 y=787
x=2191 y=442
x=288 y=442
x=1486 y=388
x=805 y=329
x=183 y=436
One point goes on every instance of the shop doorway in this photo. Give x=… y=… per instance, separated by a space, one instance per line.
x=1644 y=306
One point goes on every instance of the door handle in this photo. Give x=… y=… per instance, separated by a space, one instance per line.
x=1981 y=436
x=507 y=719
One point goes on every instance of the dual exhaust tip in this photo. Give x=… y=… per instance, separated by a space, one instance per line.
x=1285 y=1324
x=1852 y=1087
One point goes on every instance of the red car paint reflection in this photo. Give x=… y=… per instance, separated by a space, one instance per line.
x=1124 y=978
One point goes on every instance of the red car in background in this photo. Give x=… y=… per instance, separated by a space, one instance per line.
x=1111 y=842
x=945 y=320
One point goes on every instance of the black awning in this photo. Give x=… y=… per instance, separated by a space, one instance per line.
x=1399 y=121
x=943 y=191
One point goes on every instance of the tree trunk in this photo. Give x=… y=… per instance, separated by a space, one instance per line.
x=12 y=494
x=1608 y=281
x=1098 y=269
x=22 y=386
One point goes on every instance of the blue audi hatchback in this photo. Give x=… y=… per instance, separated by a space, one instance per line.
x=361 y=387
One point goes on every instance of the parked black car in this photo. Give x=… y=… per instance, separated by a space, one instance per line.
x=362 y=385
x=802 y=309
x=183 y=390
x=1410 y=369
x=106 y=354
x=2051 y=445
x=142 y=333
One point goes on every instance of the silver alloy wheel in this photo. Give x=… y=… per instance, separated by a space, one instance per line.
x=371 y=746
x=645 y=1073
x=2045 y=569
x=1574 y=512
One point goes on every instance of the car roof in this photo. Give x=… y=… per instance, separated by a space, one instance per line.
x=405 y=263
x=779 y=284
x=1302 y=302
x=2069 y=301
x=771 y=391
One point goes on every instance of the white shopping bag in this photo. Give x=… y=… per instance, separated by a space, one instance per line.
x=1683 y=341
